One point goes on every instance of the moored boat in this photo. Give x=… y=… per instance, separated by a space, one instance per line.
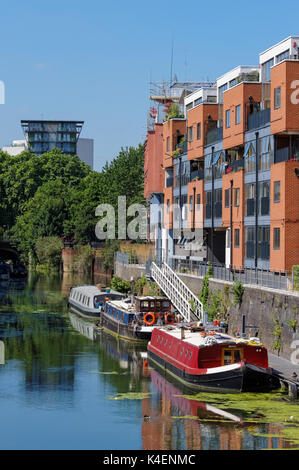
x=89 y=300
x=135 y=319
x=210 y=359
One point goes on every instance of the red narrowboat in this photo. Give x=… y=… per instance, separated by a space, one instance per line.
x=211 y=359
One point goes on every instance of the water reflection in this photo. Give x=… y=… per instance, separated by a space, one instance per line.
x=60 y=374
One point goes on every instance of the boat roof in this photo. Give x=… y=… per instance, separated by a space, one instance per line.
x=123 y=305
x=197 y=338
x=94 y=290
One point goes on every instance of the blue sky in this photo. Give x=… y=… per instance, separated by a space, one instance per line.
x=93 y=60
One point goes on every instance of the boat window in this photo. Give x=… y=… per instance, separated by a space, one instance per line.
x=144 y=304
x=161 y=340
x=158 y=337
x=190 y=356
x=237 y=355
x=227 y=357
x=182 y=350
x=165 y=304
x=152 y=304
x=186 y=353
x=165 y=343
x=170 y=345
x=158 y=305
x=232 y=356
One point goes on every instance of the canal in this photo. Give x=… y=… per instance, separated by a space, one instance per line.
x=64 y=387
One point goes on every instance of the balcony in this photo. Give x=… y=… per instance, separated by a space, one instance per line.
x=250 y=206
x=282 y=155
x=265 y=205
x=214 y=135
x=258 y=119
x=197 y=175
x=169 y=182
x=218 y=209
x=250 y=249
x=208 y=211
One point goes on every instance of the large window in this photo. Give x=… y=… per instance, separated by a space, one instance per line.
x=264 y=197
x=283 y=56
x=221 y=91
x=277 y=98
x=226 y=198
x=199 y=131
x=227 y=118
x=266 y=70
x=265 y=152
x=238 y=114
x=190 y=134
x=236 y=197
x=237 y=238
x=276 y=238
x=276 y=191
x=263 y=247
x=250 y=156
x=249 y=199
x=249 y=241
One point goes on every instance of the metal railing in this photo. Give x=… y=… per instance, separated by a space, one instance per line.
x=214 y=135
x=181 y=297
x=250 y=276
x=259 y=119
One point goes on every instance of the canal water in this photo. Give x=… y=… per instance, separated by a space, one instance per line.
x=64 y=387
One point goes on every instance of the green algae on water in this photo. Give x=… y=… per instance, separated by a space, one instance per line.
x=130 y=396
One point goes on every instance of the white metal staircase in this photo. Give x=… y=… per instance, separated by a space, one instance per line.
x=181 y=297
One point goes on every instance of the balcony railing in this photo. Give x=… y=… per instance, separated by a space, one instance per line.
x=282 y=155
x=215 y=135
x=258 y=119
x=265 y=206
x=218 y=209
x=208 y=211
x=250 y=203
x=169 y=182
x=197 y=174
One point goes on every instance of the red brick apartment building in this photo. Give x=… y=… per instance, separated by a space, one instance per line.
x=224 y=169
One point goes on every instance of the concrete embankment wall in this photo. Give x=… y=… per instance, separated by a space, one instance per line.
x=260 y=305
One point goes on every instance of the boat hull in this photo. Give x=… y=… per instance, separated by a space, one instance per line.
x=237 y=377
x=86 y=313
x=128 y=332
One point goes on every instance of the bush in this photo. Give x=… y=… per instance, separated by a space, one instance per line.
x=120 y=285
x=237 y=291
x=48 y=251
x=295 y=271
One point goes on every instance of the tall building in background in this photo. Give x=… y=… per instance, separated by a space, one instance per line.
x=222 y=161
x=42 y=136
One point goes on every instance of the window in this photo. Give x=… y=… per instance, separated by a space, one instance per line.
x=276 y=191
x=249 y=199
x=226 y=198
x=276 y=238
x=198 y=202
x=266 y=70
x=190 y=203
x=263 y=248
x=167 y=144
x=198 y=101
x=198 y=131
x=264 y=197
x=221 y=91
x=236 y=197
x=237 y=238
x=238 y=114
x=190 y=134
x=168 y=205
x=250 y=241
x=283 y=56
x=227 y=118
x=277 y=97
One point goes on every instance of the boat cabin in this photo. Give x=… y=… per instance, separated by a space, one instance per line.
x=145 y=304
